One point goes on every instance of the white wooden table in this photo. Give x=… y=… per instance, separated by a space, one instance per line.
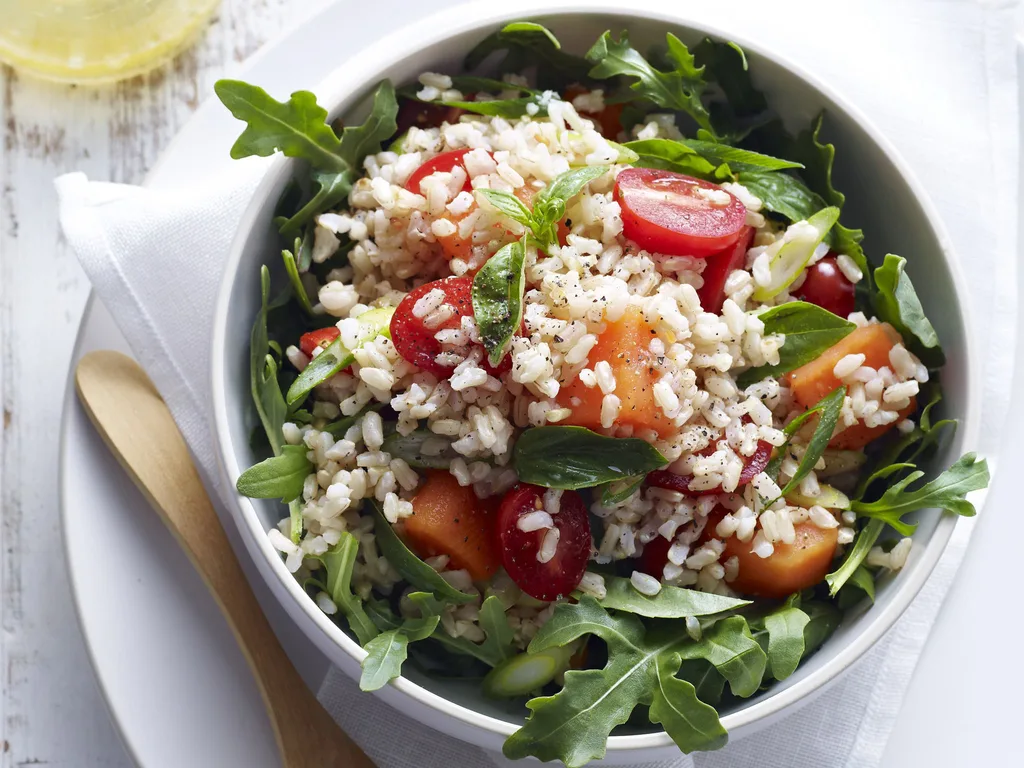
x=51 y=711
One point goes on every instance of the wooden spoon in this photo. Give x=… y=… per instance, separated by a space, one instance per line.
x=135 y=423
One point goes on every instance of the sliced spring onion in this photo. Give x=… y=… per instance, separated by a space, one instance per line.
x=526 y=672
x=789 y=254
x=828 y=497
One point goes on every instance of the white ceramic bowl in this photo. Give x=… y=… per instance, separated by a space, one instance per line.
x=883 y=198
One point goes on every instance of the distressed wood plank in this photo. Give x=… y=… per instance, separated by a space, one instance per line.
x=50 y=706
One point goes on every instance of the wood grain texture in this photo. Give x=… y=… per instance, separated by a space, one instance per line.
x=137 y=426
x=50 y=709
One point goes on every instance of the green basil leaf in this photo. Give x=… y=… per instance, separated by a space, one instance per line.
x=689 y=722
x=498 y=299
x=414 y=570
x=678 y=89
x=508 y=205
x=336 y=357
x=738 y=159
x=338 y=562
x=386 y=653
x=549 y=204
x=896 y=303
x=948 y=491
x=828 y=410
x=782 y=194
x=571 y=458
x=669 y=603
x=785 y=627
x=409 y=448
x=264 y=386
x=671 y=156
x=809 y=331
x=280 y=476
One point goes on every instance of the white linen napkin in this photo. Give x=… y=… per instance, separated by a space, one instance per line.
x=938 y=78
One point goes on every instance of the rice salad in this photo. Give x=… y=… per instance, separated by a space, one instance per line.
x=575 y=383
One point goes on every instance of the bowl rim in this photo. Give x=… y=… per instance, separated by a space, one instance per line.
x=351 y=79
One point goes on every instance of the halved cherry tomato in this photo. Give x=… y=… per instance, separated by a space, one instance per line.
x=654 y=557
x=753 y=465
x=319 y=338
x=417 y=344
x=826 y=286
x=669 y=213
x=712 y=293
x=608 y=120
x=442 y=163
x=559 y=575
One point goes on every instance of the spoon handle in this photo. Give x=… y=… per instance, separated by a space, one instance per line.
x=136 y=424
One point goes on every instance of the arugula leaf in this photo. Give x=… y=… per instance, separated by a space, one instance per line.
x=338 y=563
x=865 y=540
x=336 y=357
x=809 y=331
x=332 y=187
x=280 y=476
x=585 y=458
x=409 y=448
x=863 y=580
x=497 y=644
x=828 y=409
x=824 y=620
x=573 y=725
x=785 y=626
x=669 y=603
x=339 y=427
x=498 y=290
x=292 y=270
x=742 y=106
x=386 y=653
x=264 y=387
x=671 y=156
x=896 y=302
x=526 y=43
x=734 y=652
x=689 y=722
x=703 y=676
x=413 y=570
x=297 y=127
x=367 y=138
x=948 y=491
x=679 y=89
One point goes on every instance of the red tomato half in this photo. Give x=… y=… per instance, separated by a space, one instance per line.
x=559 y=575
x=665 y=212
x=826 y=286
x=416 y=343
x=319 y=338
x=753 y=465
x=442 y=163
x=712 y=293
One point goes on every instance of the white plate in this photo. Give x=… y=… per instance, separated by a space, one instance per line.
x=167 y=664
